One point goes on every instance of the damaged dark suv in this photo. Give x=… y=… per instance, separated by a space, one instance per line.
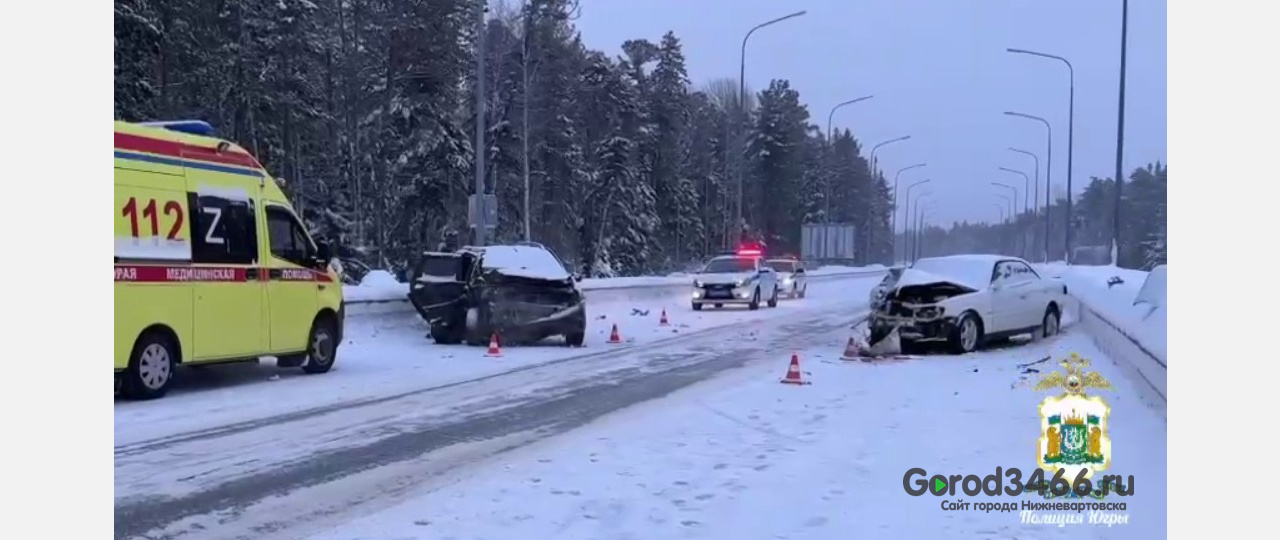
x=522 y=293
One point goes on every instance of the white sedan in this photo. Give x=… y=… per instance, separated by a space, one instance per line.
x=791 y=275
x=967 y=300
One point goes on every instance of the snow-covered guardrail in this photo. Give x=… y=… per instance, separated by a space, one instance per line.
x=392 y=297
x=1124 y=312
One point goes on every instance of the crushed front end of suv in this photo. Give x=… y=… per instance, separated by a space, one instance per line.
x=523 y=294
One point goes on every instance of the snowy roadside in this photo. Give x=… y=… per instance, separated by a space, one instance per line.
x=1113 y=292
x=380 y=286
x=391 y=354
x=745 y=457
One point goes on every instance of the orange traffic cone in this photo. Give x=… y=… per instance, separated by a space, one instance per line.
x=793 y=373
x=614 y=336
x=852 y=351
x=663 y=321
x=495 y=349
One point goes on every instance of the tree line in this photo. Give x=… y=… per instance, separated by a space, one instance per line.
x=1143 y=233
x=365 y=110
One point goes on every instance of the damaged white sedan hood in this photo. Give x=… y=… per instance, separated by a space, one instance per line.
x=920 y=277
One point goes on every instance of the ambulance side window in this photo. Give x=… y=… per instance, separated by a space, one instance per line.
x=225 y=230
x=288 y=241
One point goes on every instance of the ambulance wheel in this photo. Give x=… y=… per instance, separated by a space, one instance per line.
x=322 y=346
x=773 y=299
x=151 y=366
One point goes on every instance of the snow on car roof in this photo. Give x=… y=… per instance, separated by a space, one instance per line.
x=973 y=271
x=525 y=261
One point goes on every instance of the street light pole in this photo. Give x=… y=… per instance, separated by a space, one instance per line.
x=1071 y=120
x=826 y=200
x=907 y=217
x=896 y=207
x=999 y=237
x=1026 y=186
x=1013 y=211
x=877 y=147
x=742 y=111
x=1048 y=174
x=1115 y=230
x=478 y=207
x=920 y=230
x=1035 y=199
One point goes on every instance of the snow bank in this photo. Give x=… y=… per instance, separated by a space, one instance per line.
x=1126 y=313
x=377 y=286
x=1118 y=300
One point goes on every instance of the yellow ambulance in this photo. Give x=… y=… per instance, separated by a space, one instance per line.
x=212 y=263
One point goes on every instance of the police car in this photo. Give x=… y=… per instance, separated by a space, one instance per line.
x=792 y=276
x=740 y=278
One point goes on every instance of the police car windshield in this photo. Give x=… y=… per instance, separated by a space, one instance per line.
x=782 y=266
x=730 y=265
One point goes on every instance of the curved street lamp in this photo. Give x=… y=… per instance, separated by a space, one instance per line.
x=1026 y=186
x=742 y=110
x=1035 y=198
x=826 y=214
x=1048 y=173
x=1071 y=120
x=877 y=147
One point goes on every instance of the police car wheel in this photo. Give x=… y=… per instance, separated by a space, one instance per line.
x=697 y=306
x=151 y=367
x=322 y=346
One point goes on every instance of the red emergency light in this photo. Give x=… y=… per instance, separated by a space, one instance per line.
x=749 y=251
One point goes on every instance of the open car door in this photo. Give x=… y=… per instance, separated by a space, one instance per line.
x=439 y=283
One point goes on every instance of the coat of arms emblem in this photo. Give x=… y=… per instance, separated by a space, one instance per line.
x=1073 y=425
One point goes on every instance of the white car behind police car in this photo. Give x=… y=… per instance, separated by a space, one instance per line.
x=792 y=278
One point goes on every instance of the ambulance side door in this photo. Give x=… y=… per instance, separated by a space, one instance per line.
x=228 y=294
x=293 y=290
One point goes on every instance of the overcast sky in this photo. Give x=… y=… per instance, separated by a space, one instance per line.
x=940 y=73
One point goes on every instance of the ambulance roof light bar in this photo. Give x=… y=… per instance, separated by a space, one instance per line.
x=190 y=127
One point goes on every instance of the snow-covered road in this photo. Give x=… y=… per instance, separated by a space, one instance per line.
x=745 y=457
x=268 y=454
x=684 y=432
